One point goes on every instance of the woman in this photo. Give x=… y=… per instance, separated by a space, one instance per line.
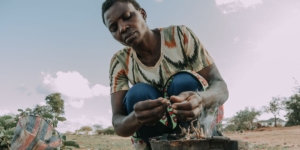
x=168 y=68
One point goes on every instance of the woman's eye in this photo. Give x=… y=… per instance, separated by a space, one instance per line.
x=113 y=28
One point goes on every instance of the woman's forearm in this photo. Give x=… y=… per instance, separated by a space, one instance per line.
x=215 y=95
x=126 y=125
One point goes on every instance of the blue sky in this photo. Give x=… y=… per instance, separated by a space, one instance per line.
x=63 y=46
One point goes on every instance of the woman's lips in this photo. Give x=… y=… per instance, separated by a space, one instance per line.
x=130 y=37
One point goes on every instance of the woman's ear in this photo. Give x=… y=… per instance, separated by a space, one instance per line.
x=144 y=14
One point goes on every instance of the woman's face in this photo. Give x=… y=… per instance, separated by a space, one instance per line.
x=126 y=24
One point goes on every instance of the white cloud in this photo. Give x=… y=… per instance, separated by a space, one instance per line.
x=158 y=0
x=250 y=3
x=73 y=86
x=223 y=2
x=43 y=103
x=228 y=6
x=74 y=124
x=100 y=90
x=236 y=40
x=4 y=112
x=76 y=103
x=244 y=3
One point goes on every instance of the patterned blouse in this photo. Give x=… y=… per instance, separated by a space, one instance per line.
x=180 y=50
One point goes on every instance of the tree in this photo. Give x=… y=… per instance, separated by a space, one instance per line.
x=56 y=103
x=244 y=119
x=228 y=124
x=293 y=110
x=109 y=131
x=7 y=127
x=296 y=87
x=97 y=126
x=68 y=133
x=57 y=108
x=39 y=110
x=98 y=129
x=274 y=107
x=52 y=111
x=87 y=129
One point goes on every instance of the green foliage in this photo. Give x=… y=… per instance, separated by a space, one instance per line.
x=7 y=128
x=28 y=109
x=68 y=133
x=40 y=110
x=109 y=131
x=64 y=137
x=66 y=143
x=97 y=127
x=244 y=119
x=87 y=129
x=274 y=107
x=98 y=132
x=231 y=127
x=70 y=143
x=54 y=123
x=61 y=119
x=293 y=110
x=54 y=108
x=56 y=103
x=47 y=116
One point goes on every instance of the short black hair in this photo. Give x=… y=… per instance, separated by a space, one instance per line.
x=108 y=3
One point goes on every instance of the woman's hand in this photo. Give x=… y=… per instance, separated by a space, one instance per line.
x=187 y=105
x=149 y=112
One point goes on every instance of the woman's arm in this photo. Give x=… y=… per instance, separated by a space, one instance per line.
x=145 y=112
x=214 y=96
x=217 y=93
x=125 y=125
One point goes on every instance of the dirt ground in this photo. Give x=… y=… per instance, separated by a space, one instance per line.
x=101 y=142
x=269 y=138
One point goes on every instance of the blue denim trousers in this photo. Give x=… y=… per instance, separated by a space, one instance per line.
x=139 y=92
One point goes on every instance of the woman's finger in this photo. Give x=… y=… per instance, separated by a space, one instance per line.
x=149 y=104
x=180 y=98
x=190 y=104
x=151 y=120
x=157 y=113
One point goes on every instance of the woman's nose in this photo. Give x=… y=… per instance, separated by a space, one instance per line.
x=123 y=27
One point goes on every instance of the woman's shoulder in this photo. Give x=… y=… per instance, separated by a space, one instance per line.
x=173 y=28
x=173 y=31
x=123 y=52
x=121 y=55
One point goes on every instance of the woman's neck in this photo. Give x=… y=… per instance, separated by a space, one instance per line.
x=150 y=45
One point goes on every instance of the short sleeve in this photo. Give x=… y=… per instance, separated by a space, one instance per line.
x=117 y=76
x=197 y=55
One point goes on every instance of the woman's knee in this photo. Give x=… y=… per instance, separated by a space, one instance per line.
x=184 y=82
x=139 y=92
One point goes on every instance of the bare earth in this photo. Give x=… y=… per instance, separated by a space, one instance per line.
x=270 y=138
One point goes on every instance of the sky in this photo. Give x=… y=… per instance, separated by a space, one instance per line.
x=63 y=46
